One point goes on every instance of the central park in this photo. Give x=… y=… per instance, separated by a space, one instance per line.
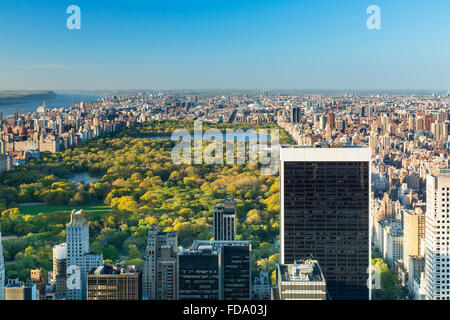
x=135 y=184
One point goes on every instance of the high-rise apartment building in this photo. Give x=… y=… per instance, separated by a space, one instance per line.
x=420 y=126
x=114 y=283
x=224 y=221
x=38 y=279
x=394 y=245
x=60 y=270
x=295 y=114
x=302 y=280
x=80 y=260
x=413 y=234
x=4 y=163
x=19 y=290
x=2 y=270
x=261 y=286
x=155 y=242
x=235 y=266
x=167 y=274
x=416 y=268
x=198 y=274
x=325 y=203
x=437 y=236
x=215 y=270
x=331 y=120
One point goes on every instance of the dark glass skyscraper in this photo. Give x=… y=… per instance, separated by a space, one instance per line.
x=224 y=223
x=325 y=201
x=198 y=275
x=295 y=114
x=215 y=270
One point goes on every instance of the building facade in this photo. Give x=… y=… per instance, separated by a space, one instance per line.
x=167 y=274
x=394 y=250
x=198 y=275
x=156 y=240
x=437 y=234
x=325 y=204
x=295 y=114
x=80 y=260
x=261 y=286
x=18 y=290
x=215 y=270
x=2 y=270
x=302 y=280
x=224 y=221
x=60 y=270
x=114 y=283
x=413 y=234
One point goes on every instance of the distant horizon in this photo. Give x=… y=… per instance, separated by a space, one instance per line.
x=193 y=90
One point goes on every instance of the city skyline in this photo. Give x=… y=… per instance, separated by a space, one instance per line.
x=239 y=150
x=158 y=221
x=227 y=44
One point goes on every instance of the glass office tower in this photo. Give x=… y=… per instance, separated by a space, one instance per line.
x=325 y=203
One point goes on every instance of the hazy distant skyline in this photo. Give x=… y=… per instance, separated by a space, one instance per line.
x=181 y=44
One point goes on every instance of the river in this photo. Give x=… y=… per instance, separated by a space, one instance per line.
x=61 y=100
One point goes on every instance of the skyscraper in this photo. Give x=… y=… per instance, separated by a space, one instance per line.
x=331 y=119
x=60 y=269
x=413 y=234
x=2 y=270
x=19 y=290
x=114 y=283
x=236 y=270
x=198 y=274
x=38 y=279
x=224 y=222
x=215 y=270
x=156 y=240
x=325 y=201
x=80 y=260
x=167 y=274
x=437 y=236
x=295 y=114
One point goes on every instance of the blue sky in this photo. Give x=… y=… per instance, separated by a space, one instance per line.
x=174 y=44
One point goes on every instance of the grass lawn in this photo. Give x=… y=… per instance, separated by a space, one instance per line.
x=44 y=208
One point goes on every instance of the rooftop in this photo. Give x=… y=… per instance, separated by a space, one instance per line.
x=301 y=271
x=113 y=270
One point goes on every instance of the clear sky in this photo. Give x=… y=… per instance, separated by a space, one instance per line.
x=240 y=44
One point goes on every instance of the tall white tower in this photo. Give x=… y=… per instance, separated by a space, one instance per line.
x=2 y=271
x=79 y=259
x=437 y=236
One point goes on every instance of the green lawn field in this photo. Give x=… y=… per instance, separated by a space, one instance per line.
x=43 y=208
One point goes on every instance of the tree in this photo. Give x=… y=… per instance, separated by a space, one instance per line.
x=390 y=285
x=133 y=252
x=126 y=203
